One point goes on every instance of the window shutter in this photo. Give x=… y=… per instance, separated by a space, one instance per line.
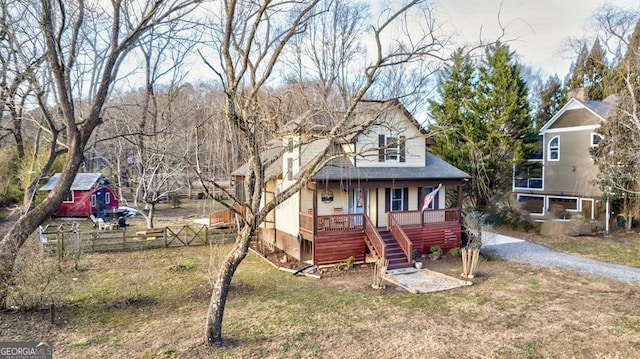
x=387 y=200
x=405 y=199
x=402 y=149
x=381 y=149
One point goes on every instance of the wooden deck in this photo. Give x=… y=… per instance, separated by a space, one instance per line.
x=338 y=237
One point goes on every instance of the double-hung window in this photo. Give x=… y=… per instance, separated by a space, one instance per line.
x=397 y=199
x=392 y=149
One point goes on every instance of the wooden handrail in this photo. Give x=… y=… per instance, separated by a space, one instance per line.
x=400 y=236
x=372 y=237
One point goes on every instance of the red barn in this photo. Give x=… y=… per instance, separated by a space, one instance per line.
x=90 y=194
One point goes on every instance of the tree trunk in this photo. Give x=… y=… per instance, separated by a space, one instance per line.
x=152 y=210
x=28 y=222
x=213 y=333
x=14 y=239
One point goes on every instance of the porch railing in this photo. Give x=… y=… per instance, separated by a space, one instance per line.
x=400 y=236
x=306 y=222
x=339 y=222
x=427 y=217
x=373 y=239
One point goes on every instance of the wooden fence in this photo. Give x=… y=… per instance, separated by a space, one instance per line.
x=58 y=240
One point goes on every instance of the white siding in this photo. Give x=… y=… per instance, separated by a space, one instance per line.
x=395 y=124
x=288 y=215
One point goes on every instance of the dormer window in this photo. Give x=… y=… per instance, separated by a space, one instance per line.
x=554 y=149
x=392 y=148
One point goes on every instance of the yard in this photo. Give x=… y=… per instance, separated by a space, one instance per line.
x=153 y=303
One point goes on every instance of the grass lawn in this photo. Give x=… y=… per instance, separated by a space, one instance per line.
x=152 y=304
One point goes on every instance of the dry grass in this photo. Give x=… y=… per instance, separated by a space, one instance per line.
x=152 y=304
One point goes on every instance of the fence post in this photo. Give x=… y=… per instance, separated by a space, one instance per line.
x=76 y=246
x=60 y=237
x=164 y=236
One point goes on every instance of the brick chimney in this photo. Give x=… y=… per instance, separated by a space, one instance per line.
x=580 y=93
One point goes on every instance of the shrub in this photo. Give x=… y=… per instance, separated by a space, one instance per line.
x=350 y=261
x=39 y=280
x=455 y=252
x=435 y=252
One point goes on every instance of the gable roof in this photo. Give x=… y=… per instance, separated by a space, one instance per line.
x=600 y=109
x=322 y=121
x=82 y=182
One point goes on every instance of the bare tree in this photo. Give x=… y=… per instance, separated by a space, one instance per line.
x=252 y=37
x=617 y=159
x=147 y=128
x=62 y=27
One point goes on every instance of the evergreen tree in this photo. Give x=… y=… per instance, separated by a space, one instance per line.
x=578 y=70
x=453 y=121
x=629 y=67
x=550 y=99
x=508 y=133
x=596 y=71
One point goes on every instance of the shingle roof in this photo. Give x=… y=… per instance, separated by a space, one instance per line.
x=82 y=182
x=272 y=171
x=435 y=168
x=602 y=108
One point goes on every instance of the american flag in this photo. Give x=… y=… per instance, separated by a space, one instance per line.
x=429 y=197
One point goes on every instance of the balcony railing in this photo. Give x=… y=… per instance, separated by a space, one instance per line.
x=528 y=183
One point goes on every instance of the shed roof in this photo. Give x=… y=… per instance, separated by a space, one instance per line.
x=82 y=182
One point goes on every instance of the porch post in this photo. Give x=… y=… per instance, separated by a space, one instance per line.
x=460 y=202
x=421 y=191
x=315 y=211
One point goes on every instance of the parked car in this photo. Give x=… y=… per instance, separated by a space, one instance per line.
x=127 y=212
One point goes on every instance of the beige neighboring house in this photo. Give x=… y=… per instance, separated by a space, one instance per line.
x=368 y=200
x=560 y=180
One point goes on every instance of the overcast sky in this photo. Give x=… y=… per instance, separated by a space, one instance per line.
x=541 y=27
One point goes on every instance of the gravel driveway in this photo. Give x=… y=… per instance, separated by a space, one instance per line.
x=517 y=250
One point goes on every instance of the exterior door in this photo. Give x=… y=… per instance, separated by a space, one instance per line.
x=359 y=202
x=587 y=208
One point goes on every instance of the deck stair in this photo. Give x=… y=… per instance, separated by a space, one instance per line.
x=397 y=259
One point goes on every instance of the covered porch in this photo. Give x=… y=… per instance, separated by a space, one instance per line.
x=336 y=237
